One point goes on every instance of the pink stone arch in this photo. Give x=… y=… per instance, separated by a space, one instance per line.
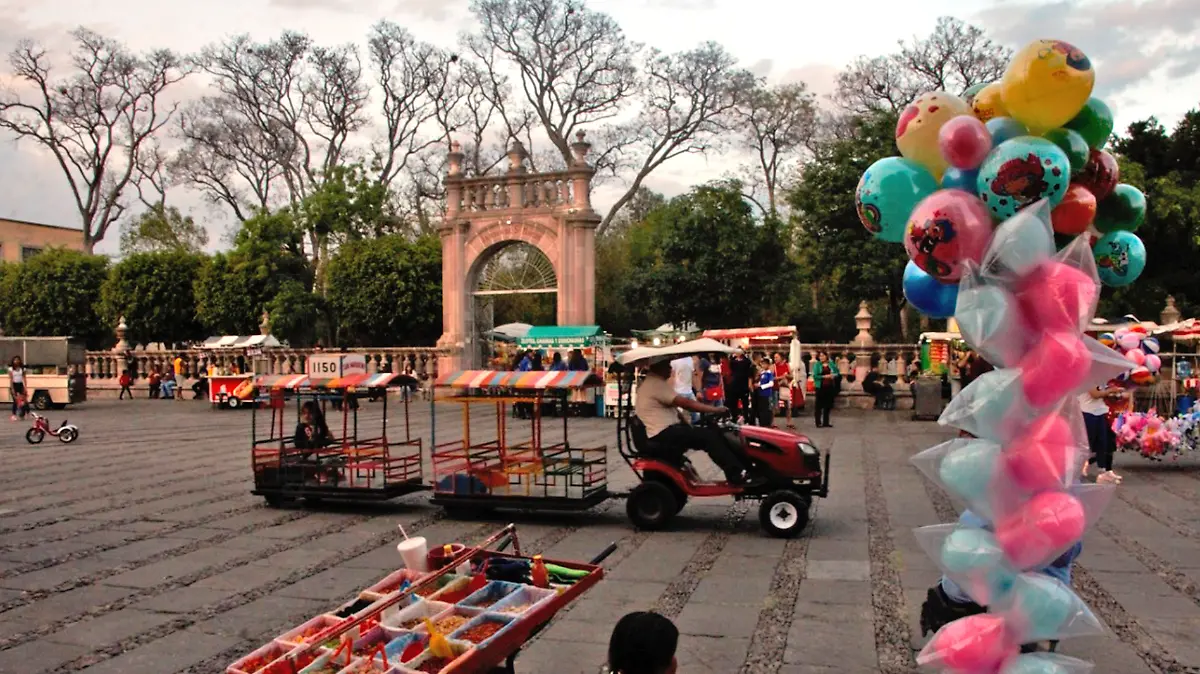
x=488 y=241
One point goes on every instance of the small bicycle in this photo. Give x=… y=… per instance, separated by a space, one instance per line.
x=66 y=433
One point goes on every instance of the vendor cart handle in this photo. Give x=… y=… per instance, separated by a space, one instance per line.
x=612 y=547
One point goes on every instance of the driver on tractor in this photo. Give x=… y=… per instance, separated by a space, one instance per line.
x=658 y=407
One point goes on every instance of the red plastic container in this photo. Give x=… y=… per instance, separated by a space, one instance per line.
x=436 y=558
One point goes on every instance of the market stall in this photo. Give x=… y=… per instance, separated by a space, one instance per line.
x=937 y=351
x=233 y=362
x=590 y=340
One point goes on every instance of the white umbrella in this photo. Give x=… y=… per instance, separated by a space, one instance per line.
x=794 y=355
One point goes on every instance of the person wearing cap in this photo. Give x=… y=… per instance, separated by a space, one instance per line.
x=657 y=405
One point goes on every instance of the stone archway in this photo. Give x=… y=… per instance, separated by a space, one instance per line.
x=550 y=211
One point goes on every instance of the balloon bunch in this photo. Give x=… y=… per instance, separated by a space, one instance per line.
x=971 y=161
x=1024 y=308
x=1140 y=349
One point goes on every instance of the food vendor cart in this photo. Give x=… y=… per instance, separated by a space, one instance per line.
x=469 y=474
x=230 y=384
x=937 y=349
x=351 y=464
x=480 y=604
x=590 y=340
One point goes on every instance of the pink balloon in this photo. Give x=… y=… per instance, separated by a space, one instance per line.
x=978 y=643
x=1153 y=362
x=1053 y=367
x=1136 y=356
x=1129 y=340
x=947 y=228
x=964 y=142
x=1040 y=458
x=1041 y=530
x=1056 y=296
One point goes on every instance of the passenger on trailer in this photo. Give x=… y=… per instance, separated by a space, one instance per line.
x=311 y=431
x=658 y=407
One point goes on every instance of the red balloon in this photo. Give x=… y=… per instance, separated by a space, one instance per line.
x=1101 y=174
x=1076 y=211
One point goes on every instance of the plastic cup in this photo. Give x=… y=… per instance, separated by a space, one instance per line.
x=414 y=552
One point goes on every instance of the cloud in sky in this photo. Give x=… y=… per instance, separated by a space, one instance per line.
x=1147 y=53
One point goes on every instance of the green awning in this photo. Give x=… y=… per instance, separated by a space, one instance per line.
x=560 y=336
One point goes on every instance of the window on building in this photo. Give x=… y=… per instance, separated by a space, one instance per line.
x=28 y=252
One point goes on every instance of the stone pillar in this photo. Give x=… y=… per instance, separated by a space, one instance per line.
x=862 y=321
x=577 y=252
x=516 y=174
x=122 y=345
x=1169 y=313
x=264 y=325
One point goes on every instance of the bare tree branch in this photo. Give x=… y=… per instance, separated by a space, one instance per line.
x=777 y=124
x=94 y=121
x=953 y=58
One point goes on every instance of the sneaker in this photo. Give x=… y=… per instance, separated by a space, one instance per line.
x=14 y=417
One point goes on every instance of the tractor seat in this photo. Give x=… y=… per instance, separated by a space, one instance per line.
x=648 y=448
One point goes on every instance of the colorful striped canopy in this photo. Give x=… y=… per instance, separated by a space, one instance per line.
x=530 y=381
x=282 y=381
x=752 y=333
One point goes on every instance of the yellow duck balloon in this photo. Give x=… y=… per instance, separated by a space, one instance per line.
x=917 y=130
x=1047 y=83
x=988 y=103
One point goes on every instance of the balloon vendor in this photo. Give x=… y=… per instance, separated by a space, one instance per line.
x=983 y=185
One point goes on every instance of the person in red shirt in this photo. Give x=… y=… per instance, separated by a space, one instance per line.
x=783 y=377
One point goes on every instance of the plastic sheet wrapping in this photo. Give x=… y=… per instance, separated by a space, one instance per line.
x=1040 y=608
x=970 y=557
x=1046 y=525
x=1046 y=663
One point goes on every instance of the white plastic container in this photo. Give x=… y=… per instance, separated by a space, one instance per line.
x=414 y=551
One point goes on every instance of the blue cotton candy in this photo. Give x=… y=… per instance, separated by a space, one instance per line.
x=1033 y=664
x=1022 y=241
x=974 y=555
x=987 y=317
x=967 y=471
x=1044 y=603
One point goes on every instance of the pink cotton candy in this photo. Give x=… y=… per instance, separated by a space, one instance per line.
x=1041 y=529
x=1054 y=367
x=978 y=643
x=1040 y=458
x=1055 y=296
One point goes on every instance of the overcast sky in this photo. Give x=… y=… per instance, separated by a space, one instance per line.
x=1146 y=52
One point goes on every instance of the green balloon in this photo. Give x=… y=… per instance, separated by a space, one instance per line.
x=969 y=94
x=1073 y=144
x=1094 y=122
x=1124 y=209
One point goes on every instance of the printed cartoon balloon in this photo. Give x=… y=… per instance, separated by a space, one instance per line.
x=887 y=193
x=1047 y=83
x=1100 y=175
x=917 y=130
x=1120 y=258
x=945 y=230
x=1094 y=122
x=1124 y=209
x=1020 y=172
x=988 y=104
x=1075 y=213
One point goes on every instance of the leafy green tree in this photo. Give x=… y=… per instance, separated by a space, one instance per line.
x=298 y=315
x=154 y=292
x=840 y=263
x=1166 y=167
x=163 y=228
x=386 y=291
x=703 y=258
x=56 y=293
x=232 y=292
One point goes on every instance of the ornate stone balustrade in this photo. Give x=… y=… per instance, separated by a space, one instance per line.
x=104 y=367
x=513 y=192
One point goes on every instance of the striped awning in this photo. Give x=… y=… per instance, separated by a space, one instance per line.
x=282 y=381
x=529 y=381
x=363 y=380
x=752 y=333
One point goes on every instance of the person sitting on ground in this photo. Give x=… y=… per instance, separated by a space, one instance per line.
x=657 y=406
x=643 y=643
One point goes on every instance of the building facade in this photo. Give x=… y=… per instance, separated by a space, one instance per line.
x=19 y=239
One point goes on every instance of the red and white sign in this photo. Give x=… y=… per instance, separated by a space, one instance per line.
x=336 y=365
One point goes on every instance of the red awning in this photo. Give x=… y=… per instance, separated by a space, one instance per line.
x=752 y=333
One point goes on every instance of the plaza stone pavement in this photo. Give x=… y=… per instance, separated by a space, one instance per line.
x=140 y=549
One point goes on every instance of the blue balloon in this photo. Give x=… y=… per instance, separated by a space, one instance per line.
x=1021 y=171
x=1045 y=604
x=1120 y=258
x=958 y=179
x=1005 y=128
x=887 y=193
x=967 y=471
x=1034 y=663
x=929 y=295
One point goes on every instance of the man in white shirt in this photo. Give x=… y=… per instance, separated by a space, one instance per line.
x=658 y=404
x=684 y=373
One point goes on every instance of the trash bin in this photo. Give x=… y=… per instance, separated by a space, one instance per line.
x=927 y=399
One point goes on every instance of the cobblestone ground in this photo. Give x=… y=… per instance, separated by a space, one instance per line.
x=140 y=549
